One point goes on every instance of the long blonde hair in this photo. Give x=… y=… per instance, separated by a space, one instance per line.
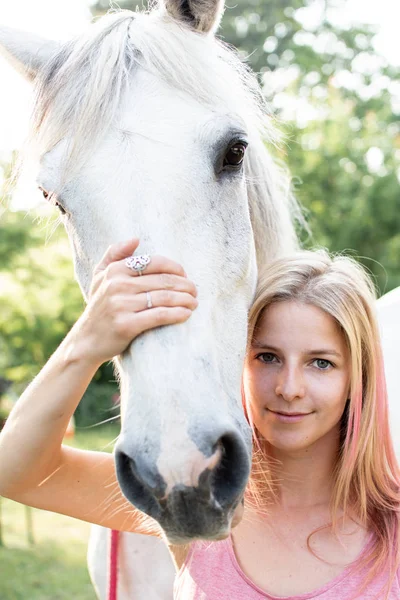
x=367 y=476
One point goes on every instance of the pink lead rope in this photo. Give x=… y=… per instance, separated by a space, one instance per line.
x=113 y=567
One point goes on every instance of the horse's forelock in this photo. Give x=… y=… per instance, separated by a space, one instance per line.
x=79 y=91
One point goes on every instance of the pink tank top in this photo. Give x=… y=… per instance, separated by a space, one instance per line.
x=211 y=572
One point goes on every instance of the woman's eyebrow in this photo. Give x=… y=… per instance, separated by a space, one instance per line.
x=329 y=351
x=260 y=344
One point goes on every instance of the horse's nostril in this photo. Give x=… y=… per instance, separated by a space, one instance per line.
x=139 y=486
x=229 y=477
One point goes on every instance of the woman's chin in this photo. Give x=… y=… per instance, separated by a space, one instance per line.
x=288 y=442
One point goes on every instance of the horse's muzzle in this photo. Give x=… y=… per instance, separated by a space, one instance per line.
x=187 y=512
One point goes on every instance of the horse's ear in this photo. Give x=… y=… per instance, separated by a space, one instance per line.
x=27 y=52
x=201 y=15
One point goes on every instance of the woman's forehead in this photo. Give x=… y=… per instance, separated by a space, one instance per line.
x=292 y=322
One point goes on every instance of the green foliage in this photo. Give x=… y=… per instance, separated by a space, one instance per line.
x=98 y=437
x=4 y=412
x=39 y=300
x=97 y=404
x=39 y=303
x=351 y=202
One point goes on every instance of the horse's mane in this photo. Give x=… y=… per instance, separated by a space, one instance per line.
x=84 y=83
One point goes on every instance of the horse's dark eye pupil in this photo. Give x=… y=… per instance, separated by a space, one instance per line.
x=235 y=155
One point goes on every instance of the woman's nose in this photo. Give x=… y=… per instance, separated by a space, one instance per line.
x=290 y=384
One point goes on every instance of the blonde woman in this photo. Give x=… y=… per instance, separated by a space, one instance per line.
x=321 y=512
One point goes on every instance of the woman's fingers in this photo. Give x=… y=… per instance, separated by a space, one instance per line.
x=114 y=255
x=114 y=261
x=113 y=266
x=162 y=281
x=131 y=286
x=156 y=317
x=123 y=303
x=156 y=299
x=160 y=298
x=117 y=252
x=158 y=264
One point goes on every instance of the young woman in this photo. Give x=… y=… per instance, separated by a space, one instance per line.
x=321 y=512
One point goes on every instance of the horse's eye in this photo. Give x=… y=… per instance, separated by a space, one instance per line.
x=52 y=198
x=235 y=155
x=60 y=208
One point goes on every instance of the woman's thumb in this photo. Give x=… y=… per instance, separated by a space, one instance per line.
x=117 y=252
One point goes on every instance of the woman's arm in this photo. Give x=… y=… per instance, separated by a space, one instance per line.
x=36 y=469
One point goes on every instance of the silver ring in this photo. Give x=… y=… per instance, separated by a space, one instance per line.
x=149 y=302
x=138 y=263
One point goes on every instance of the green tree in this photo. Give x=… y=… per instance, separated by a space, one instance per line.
x=39 y=302
x=349 y=181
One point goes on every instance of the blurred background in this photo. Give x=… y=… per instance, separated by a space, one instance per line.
x=331 y=72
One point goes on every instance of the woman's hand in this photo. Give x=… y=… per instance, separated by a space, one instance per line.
x=117 y=309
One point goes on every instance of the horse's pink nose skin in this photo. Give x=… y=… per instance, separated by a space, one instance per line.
x=199 y=498
x=189 y=467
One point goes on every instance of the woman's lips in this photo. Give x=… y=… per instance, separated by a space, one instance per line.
x=288 y=417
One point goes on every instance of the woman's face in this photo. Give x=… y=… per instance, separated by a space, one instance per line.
x=297 y=376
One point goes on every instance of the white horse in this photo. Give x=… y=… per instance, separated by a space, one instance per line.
x=148 y=126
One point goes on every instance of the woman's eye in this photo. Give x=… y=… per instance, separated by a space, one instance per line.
x=235 y=155
x=266 y=357
x=322 y=364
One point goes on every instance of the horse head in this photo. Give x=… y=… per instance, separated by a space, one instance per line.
x=148 y=126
